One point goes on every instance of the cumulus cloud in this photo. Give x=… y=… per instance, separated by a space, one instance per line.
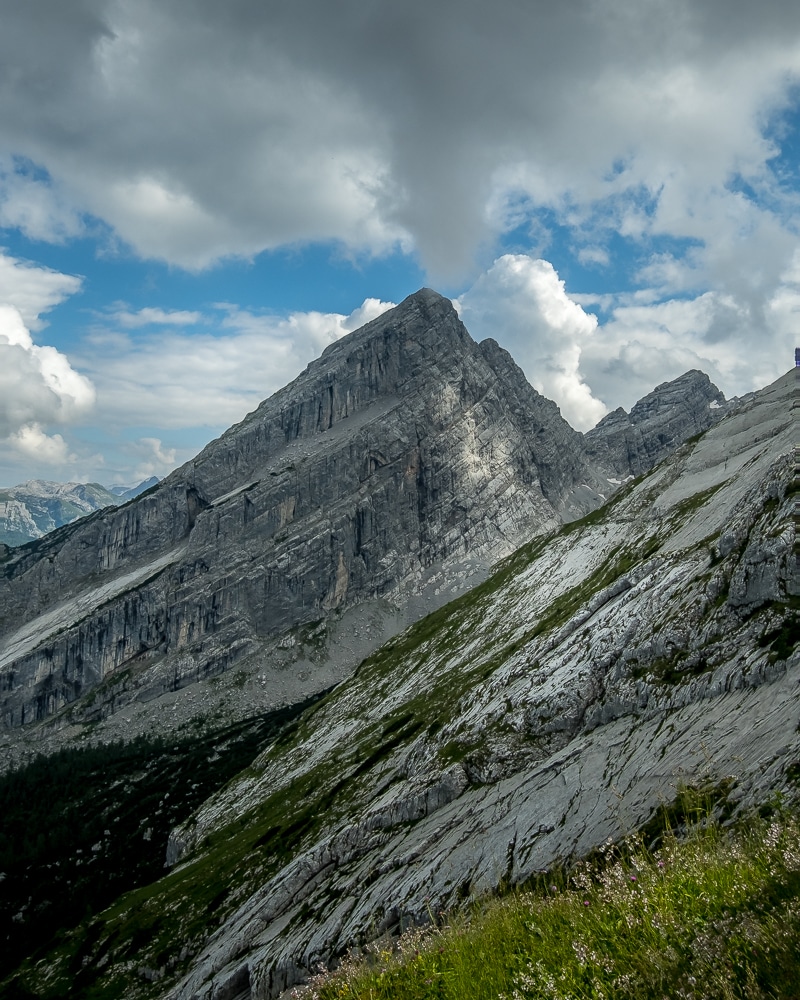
x=39 y=388
x=588 y=367
x=741 y=341
x=38 y=385
x=521 y=303
x=31 y=442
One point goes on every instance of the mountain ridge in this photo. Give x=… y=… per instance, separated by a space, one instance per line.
x=386 y=478
x=30 y=510
x=648 y=646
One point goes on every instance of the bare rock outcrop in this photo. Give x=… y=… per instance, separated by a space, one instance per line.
x=628 y=444
x=406 y=456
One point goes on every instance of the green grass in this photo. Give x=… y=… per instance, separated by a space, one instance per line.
x=713 y=915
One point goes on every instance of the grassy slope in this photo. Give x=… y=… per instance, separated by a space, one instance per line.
x=715 y=915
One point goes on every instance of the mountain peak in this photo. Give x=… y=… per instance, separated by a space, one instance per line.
x=627 y=444
x=426 y=295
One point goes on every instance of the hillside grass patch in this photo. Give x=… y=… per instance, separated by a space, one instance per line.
x=715 y=914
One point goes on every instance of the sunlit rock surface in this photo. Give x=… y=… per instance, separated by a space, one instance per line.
x=650 y=646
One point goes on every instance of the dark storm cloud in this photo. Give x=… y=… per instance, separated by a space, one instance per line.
x=198 y=128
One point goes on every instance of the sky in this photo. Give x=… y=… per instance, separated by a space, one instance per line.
x=196 y=198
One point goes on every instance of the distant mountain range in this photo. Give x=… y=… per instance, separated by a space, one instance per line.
x=33 y=509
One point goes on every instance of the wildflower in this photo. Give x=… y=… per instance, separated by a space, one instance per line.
x=586 y=902
x=633 y=878
x=553 y=888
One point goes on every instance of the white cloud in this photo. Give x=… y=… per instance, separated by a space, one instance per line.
x=38 y=385
x=45 y=449
x=741 y=346
x=521 y=303
x=176 y=380
x=568 y=356
x=593 y=256
x=33 y=289
x=155 y=317
x=35 y=207
x=154 y=459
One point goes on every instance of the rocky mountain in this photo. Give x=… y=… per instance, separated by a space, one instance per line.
x=628 y=444
x=131 y=490
x=385 y=479
x=35 y=508
x=649 y=645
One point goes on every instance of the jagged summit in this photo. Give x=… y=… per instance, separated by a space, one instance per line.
x=387 y=477
x=628 y=444
x=396 y=468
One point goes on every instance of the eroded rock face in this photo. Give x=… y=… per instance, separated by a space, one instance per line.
x=405 y=448
x=391 y=473
x=628 y=444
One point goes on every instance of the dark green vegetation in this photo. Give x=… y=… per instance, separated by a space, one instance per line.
x=81 y=827
x=782 y=639
x=714 y=914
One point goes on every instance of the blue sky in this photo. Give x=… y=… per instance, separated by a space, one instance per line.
x=195 y=199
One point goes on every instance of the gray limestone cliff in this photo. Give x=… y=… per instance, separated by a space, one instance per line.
x=602 y=666
x=628 y=444
x=402 y=459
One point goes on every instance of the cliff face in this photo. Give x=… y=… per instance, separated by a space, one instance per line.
x=386 y=478
x=628 y=444
x=556 y=706
x=402 y=457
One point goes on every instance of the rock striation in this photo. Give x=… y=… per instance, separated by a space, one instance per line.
x=652 y=645
x=402 y=459
x=388 y=477
x=649 y=645
x=628 y=444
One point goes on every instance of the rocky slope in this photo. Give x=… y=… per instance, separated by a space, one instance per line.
x=650 y=644
x=628 y=444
